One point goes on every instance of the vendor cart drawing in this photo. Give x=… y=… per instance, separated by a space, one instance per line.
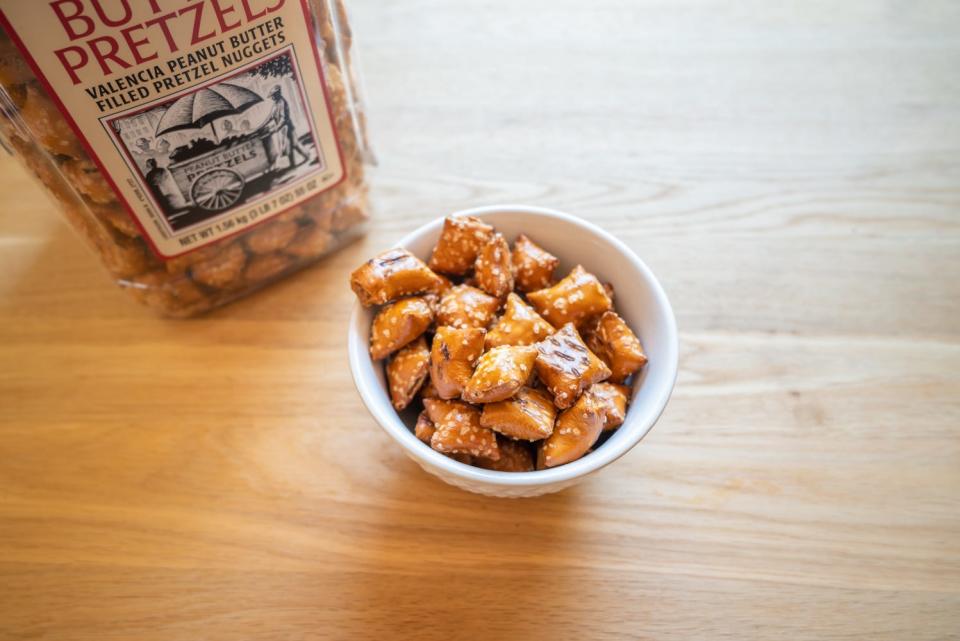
x=215 y=180
x=214 y=164
x=212 y=174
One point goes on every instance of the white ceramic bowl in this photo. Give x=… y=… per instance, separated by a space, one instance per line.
x=639 y=299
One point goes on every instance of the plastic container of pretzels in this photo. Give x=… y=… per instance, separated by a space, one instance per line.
x=202 y=151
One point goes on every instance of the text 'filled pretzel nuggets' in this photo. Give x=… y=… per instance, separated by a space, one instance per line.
x=391 y=275
x=500 y=372
x=398 y=323
x=567 y=367
x=454 y=353
x=575 y=299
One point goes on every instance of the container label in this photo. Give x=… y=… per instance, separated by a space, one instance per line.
x=206 y=116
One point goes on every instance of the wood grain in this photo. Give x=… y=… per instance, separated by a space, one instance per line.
x=792 y=174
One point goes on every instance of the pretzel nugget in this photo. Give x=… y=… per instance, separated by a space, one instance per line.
x=533 y=266
x=271 y=236
x=424 y=428
x=611 y=292
x=500 y=373
x=429 y=390
x=310 y=241
x=452 y=357
x=466 y=306
x=222 y=269
x=613 y=400
x=48 y=125
x=529 y=415
x=407 y=371
x=567 y=367
x=458 y=430
x=391 y=275
x=519 y=325
x=612 y=340
x=86 y=178
x=574 y=299
x=398 y=324
x=577 y=429
x=117 y=219
x=514 y=457
x=437 y=409
x=459 y=244
x=264 y=267
x=494 y=269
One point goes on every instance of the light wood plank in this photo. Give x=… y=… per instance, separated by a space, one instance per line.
x=791 y=173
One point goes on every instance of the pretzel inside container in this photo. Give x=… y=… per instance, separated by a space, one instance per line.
x=219 y=272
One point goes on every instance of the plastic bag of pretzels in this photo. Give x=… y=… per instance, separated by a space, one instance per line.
x=202 y=149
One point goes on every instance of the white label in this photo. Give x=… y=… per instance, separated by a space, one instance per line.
x=207 y=116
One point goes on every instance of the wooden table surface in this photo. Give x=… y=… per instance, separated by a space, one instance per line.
x=791 y=171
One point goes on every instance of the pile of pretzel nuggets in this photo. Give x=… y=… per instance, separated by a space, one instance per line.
x=515 y=371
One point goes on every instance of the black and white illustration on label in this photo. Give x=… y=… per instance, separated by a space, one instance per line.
x=221 y=145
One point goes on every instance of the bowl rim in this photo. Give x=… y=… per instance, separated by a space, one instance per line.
x=391 y=423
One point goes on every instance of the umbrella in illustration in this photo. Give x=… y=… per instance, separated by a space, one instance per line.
x=202 y=107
